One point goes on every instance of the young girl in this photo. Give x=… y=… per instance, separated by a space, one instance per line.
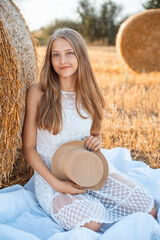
x=67 y=105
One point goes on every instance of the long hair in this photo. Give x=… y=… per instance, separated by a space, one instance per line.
x=86 y=88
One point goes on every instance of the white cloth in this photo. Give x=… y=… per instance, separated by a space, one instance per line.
x=120 y=196
x=22 y=218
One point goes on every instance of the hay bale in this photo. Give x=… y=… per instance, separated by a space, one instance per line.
x=138 y=41
x=18 y=69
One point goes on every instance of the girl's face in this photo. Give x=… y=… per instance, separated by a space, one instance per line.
x=64 y=60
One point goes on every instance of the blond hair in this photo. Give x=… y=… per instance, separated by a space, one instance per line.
x=86 y=88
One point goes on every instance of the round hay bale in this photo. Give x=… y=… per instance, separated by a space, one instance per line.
x=138 y=41
x=18 y=69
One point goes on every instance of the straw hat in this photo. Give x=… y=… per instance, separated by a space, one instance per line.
x=72 y=161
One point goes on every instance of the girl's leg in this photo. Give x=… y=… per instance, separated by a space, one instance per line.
x=93 y=226
x=72 y=211
x=122 y=196
x=153 y=212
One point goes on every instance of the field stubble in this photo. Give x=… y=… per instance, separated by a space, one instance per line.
x=132 y=111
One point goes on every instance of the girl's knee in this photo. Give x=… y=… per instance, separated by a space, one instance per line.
x=93 y=226
x=153 y=212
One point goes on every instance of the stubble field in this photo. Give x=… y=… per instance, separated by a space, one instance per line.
x=132 y=112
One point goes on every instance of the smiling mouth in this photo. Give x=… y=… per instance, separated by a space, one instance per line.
x=64 y=67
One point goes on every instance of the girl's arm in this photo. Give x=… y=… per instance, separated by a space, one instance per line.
x=29 y=145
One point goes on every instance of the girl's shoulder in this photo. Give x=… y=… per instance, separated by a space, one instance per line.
x=34 y=93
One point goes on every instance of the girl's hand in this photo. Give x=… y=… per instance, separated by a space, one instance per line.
x=70 y=187
x=93 y=143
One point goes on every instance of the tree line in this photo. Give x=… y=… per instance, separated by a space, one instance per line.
x=95 y=24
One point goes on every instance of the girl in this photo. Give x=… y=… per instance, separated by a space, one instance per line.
x=67 y=105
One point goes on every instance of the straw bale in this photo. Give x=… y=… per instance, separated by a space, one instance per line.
x=18 y=69
x=138 y=41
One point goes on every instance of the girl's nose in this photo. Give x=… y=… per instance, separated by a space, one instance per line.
x=63 y=59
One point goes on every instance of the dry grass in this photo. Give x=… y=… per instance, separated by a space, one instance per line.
x=132 y=105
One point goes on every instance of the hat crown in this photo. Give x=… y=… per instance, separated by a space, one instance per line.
x=82 y=167
x=73 y=162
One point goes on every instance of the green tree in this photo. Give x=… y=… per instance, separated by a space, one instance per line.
x=97 y=25
x=152 y=4
x=108 y=27
x=88 y=18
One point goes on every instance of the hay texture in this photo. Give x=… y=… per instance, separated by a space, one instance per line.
x=18 y=69
x=138 y=41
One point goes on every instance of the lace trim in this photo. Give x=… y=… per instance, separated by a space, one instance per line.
x=68 y=104
x=127 y=197
x=95 y=219
x=103 y=220
x=65 y=92
x=82 y=222
x=68 y=100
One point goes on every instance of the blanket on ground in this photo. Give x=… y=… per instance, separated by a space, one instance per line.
x=21 y=217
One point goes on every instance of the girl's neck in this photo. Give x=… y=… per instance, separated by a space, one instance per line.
x=68 y=85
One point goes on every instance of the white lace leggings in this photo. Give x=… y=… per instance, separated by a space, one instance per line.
x=119 y=197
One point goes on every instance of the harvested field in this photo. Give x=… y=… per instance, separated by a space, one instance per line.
x=132 y=114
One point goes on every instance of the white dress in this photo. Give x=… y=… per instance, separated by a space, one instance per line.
x=119 y=197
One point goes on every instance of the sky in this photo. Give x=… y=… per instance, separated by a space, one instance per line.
x=39 y=13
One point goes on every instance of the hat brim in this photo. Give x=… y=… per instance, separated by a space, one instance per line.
x=80 y=144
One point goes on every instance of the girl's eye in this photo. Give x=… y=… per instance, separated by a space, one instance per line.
x=70 y=53
x=55 y=55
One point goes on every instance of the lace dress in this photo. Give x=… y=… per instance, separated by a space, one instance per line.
x=119 y=197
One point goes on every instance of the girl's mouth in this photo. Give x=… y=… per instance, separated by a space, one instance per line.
x=64 y=67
